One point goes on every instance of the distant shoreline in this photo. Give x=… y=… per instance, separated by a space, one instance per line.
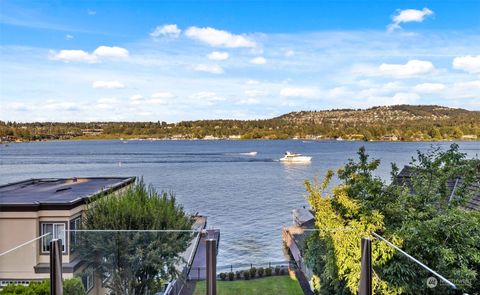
x=126 y=140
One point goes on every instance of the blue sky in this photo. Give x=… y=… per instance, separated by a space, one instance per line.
x=182 y=60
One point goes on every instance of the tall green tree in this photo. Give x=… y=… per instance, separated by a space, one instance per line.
x=422 y=215
x=126 y=245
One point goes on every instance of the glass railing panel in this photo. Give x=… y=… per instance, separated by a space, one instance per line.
x=132 y=262
x=23 y=262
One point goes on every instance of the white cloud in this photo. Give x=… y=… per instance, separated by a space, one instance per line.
x=207 y=97
x=255 y=93
x=111 y=51
x=171 y=31
x=252 y=82
x=289 y=53
x=108 y=100
x=411 y=68
x=163 y=95
x=470 y=64
x=136 y=97
x=212 y=69
x=75 y=55
x=249 y=101
x=397 y=98
x=19 y=106
x=60 y=105
x=218 y=38
x=340 y=92
x=404 y=98
x=68 y=37
x=408 y=15
x=156 y=101
x=108 y=84
x=91 y=12
x=218 y=55
x=258 y=60
x=467 y=89
x=298 y=92
x=429 y=88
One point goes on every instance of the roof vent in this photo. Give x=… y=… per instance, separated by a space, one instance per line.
x=63 y=189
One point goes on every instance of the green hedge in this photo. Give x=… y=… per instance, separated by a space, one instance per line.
x=72 y=286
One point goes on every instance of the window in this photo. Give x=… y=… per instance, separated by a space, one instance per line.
x=57 y=231
x=74 y=225
x=87 y=280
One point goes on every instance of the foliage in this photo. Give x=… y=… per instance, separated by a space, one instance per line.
x=134 y=261
x=277 y=270
x=420 y=214
x=71 y=286
x=223 y=276
x=268 y=271
x=378 y=123
x=253 y=272
x=231 y=276
x=246 y=275
x=261 y=271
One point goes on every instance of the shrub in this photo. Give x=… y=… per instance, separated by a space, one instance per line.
x=238 y=275
x=223 y=276
x=268 y=271
x=253 y=272
x=277 y=270
x=246 y=275
x=231 y=276
x=261 y=271
x=72 y=286
x=282 y=271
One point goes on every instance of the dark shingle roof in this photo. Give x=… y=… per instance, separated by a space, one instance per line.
x=404 y=178
x=56 y=193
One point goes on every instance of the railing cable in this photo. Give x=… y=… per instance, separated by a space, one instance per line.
x=415 y=260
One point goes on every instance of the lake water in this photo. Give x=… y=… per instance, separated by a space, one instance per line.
x=249 y=198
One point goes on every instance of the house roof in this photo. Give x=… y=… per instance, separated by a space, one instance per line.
x=404 y=178
x=56 y=193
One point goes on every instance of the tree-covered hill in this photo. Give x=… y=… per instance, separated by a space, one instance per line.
x=401 y=122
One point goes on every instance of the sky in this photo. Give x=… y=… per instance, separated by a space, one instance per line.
x=189 y=60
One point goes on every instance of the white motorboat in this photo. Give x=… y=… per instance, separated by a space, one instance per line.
x=249 y=154
x=295 y=158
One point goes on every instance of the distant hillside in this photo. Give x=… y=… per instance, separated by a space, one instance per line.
x=386 y=114
x=401 y=122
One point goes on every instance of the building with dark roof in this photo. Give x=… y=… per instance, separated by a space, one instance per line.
x=48 y=206
x=405 y=178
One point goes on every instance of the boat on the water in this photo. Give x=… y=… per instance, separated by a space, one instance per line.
x=249 y=154
x=295 y=158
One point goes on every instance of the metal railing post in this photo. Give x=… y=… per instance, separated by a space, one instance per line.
x=365 y=287
x=211 y=267
x=56 y=282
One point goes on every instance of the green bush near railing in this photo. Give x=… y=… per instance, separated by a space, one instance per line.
x=72 y=286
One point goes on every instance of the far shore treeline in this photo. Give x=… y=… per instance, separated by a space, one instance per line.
x=387 y=123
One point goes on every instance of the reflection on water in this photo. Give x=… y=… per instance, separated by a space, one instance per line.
x=250 y=197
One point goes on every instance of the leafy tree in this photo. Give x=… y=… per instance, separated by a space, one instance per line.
x=422 y=216
x=134 y=261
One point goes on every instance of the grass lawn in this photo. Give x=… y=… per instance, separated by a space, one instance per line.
x=276 y=285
